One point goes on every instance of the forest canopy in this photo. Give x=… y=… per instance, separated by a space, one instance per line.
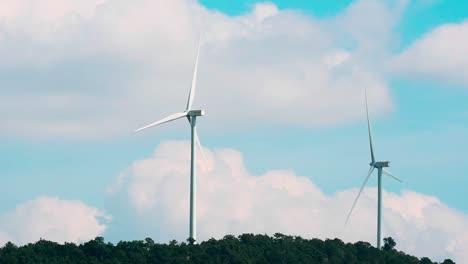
x=246 y=248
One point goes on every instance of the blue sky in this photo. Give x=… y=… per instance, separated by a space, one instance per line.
x=420 y=116
x=421 y=107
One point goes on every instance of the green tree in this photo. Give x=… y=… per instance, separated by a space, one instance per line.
x=425 y=261
x=389 y=244
x=448 y=261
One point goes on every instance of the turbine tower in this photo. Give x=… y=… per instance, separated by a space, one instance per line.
x=192 y=118
x=380 y=166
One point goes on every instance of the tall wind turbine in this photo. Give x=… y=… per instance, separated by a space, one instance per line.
x=380 y=166
x=192 y=118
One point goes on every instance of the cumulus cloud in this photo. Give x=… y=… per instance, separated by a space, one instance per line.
x=440 y=55
x=93 y=68
x=265 y=10
x=52 y=219
x=231 y=200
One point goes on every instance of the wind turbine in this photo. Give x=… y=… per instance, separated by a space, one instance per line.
x=192 y=118
x=380 y=166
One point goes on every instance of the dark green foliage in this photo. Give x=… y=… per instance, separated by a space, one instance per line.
x=246 y=248
x=425 y=261
x=389 y=243
x=448 y=261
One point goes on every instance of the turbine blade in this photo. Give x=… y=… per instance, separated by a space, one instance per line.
x=359 y=194
x=197 y=140
x=369 y=129
x=194 y=80
x=391 y=175
x=164 y=120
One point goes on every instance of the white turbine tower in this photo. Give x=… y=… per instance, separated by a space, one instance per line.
x=380 y=166
x=192 y=118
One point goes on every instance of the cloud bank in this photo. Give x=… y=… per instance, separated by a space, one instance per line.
x=52 y=219
x=98 y=68
x=154 y=192
x=440 y=55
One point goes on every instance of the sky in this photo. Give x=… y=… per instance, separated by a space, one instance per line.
x=282 y=84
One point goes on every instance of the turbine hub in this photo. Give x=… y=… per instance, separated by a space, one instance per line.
x=196 y=113
x=381 y=164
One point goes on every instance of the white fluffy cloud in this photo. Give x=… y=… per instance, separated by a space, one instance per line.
x=231 y=201
x=97 y=67
x=440 y=55
x=52 y=219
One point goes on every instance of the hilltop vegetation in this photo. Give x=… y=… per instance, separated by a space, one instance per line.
x=246 y=248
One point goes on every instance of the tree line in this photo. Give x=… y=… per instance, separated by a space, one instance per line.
x=246 y=248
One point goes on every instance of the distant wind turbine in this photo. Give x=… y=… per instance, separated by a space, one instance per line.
x=192 y=118
x=380 y=166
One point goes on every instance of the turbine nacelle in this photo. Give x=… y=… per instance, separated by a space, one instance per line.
x=195 y=113
x=380 y=164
